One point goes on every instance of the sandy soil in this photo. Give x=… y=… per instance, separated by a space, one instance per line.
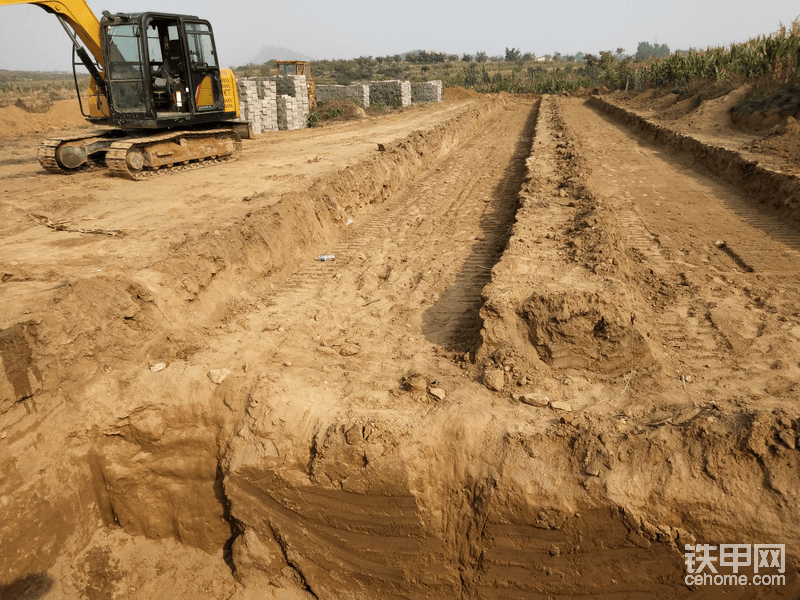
x=552 y=350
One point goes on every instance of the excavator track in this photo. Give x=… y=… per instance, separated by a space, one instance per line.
x=47 y=154
x=121 y=164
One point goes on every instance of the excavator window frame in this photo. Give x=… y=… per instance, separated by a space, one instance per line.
x=125 y=78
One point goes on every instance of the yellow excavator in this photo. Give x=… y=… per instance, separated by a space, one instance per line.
x=155 y=78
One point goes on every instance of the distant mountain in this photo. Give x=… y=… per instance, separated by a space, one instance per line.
x=268 y=53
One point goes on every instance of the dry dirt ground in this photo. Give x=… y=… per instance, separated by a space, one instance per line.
x=559 y=343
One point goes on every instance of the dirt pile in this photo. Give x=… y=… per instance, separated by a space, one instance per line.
x=456 y=93
x=342 y=109
x=783 y=140
x=63 y=114
x=727 y=119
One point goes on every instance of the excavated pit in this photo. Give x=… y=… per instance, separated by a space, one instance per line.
x=388 y=424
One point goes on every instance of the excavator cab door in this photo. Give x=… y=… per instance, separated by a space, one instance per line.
x=204 y=75
x=126 y=71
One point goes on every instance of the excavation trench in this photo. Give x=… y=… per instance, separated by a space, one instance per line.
x=386 y=424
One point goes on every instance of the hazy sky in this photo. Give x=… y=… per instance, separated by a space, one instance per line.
x=31 y=39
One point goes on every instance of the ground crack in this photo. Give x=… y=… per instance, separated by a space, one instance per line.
x=285 y=552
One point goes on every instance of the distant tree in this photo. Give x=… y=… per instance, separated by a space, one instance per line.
x=647 y=50
x=466 y=57
x=569 y=58
x=580 y=57
x=512 y=54
x=481 y=56
x=527 y=57
x=557 y=57
x=470 y=75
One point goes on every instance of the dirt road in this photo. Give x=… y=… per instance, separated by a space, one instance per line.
x=550 y=353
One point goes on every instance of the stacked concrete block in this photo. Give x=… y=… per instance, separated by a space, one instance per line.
x=295 y=87
x=429 y=91
x=268 y=109
x=257 y=103
x=249 y=103
x=290 y=114
x=358 y=92
x=390 y=92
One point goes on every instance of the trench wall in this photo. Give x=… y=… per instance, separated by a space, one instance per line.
x=779 y=190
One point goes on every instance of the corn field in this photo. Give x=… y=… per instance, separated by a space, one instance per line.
x=771 y=59
x=775 y=56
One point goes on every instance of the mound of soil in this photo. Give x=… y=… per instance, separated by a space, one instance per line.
x=63 y=114
x=341 y=110
x=782 y=140
x=739 y=121
x=454 y=94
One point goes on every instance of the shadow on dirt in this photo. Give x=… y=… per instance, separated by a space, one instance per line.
x=30 y=587
x=453 y=321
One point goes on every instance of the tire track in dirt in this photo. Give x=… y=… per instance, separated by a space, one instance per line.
x=454 y=220
x=724 y=269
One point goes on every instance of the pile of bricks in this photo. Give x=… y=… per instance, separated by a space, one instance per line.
x=358 y=92
x=269 y=106
x=429 y=91
x=390 y=92
x=290 y=114
x=259 y=102
x=296 y=87
x=248 y=101
x=281 y=102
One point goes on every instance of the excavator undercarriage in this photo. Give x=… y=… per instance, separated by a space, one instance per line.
x=139 y=157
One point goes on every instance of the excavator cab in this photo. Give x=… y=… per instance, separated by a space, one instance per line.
x=156 y=78
x=162 y=71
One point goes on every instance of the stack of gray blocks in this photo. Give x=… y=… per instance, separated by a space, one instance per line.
x=390 y=92
x=280 y=103
x=290 y=115
x=268 y=112
x=429 y=91
x=295 y=87
x=273 y=103
x=358 y=92
x=249 y=104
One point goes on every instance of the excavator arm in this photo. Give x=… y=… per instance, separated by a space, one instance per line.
x=79 y=16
